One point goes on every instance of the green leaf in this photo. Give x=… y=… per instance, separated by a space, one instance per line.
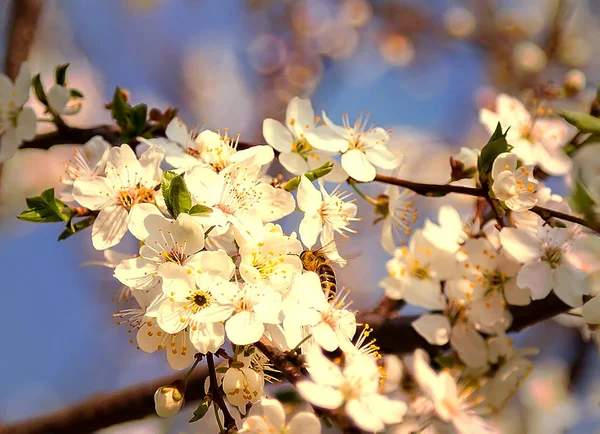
x=177 y=197
x=59 y=208
x=45 y=209
x=138 y=117
x=583 y=121
x=73 y=228
x=202 y=409
x=317 y=173
x=61 y=74
x=75 y=93
x=495 y=146
x=288 y=396
x=582 y=202
x=199 y=210
x=38 y=88
x=119 y=109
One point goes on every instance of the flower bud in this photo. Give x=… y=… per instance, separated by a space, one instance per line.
x=574 y=81
x=168 y=400
x=464 y=165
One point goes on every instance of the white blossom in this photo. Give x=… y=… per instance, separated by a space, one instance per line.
x=168 y=400
x=515 y=186
x=536 y=141
x=268 y=416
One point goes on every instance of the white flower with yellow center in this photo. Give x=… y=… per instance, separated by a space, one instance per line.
x=355 y=387
x=190 y=302
x=247 y=308
x=177 y=347
x=324 y=213
x=515 y=186
x=545 y=267
x=17 y=123
x=297 y=155
x=128 y=182
x=243 y=381
x=169 y=244
x=362 y=147
x=487 y=283
x=307 y=311
x=271 y=257
x=268 y=416
x=536 y=141
x=238 y=196
x=416 y=273
x=184 y=150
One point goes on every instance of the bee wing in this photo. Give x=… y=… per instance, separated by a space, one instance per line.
x=330 y=250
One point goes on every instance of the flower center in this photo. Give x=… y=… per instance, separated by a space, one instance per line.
x=302 y=148
x=128 y=198
x=193 y=152
x=175 y=256
x=200 y=299
x=552 y=255
x=420 y=272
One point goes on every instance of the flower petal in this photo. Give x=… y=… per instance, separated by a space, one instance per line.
x=435 y=328
x=109 y=227
x=277 y=135
x=520 y=244
x=244 y=328
x=356 y=164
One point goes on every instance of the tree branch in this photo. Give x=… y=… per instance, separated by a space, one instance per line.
x=102 y=411
x=22 y=27
x=216 y=393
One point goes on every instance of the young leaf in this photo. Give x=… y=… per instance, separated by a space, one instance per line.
x=177 y=197
x=317 y=173
x=59 y=208
x=199 y=210
x=584 y=122
x=75 y=93
x=38 y=88
x=202 y=409
x=72 y=229
x=582 y=202
x=45 y=209
x=495 y=146
x=119 y=109
x=61 y=74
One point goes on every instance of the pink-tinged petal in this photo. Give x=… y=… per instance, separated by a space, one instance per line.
x=537 y=277
x=304 y=423
x=294 y=163
x=320 y=395
x=310 y=228
x=26 y=124
x=554 y=162
x=591 y=311
x=207 y=337
x=244 y=328
x=356 y=164
x=300 y=116
x=435 y=328
x=521 y=244
x=584 y=254
x=381 y=157
x=180 y=355
x=94 y=193
x=109 y=227
x=277 y=135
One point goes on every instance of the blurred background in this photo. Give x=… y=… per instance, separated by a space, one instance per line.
x=422 y=67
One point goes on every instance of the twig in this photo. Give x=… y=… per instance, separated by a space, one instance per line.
x=22 y=27
x=216 y=393
x=102 y=411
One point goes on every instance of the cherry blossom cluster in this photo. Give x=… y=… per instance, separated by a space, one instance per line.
x=219 y=274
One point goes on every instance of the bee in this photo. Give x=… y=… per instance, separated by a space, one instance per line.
x=319 y=261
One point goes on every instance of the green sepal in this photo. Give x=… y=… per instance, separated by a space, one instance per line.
x=495 y=146
x=75 y=93
x=73 y=228
x=45 y=208
x=202 y=409
x=288 y=396
x=584 y=122
x=582 y=202
x=199 y=210
x=177 y=197
x=38 y=88
x=119 y=109
x=314 y=174
x=60 y=74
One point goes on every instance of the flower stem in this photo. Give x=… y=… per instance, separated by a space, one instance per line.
x=369 y=199
x=198 y=358
x=216 y=392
